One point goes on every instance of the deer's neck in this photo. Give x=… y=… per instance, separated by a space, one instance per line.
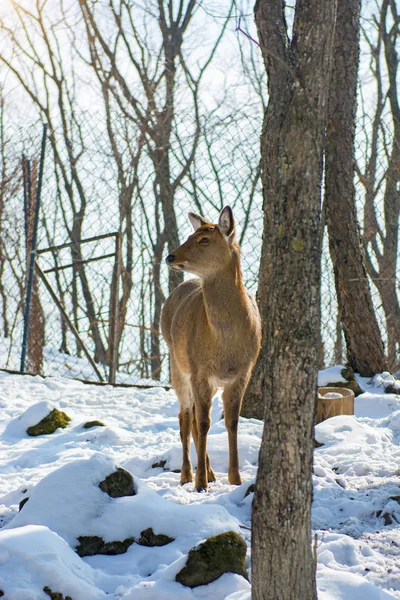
x=225 y=297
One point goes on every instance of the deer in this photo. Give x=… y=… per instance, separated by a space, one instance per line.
x=212 y=328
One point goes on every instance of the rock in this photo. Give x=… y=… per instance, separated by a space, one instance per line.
x=93 y=544
x=392 y=389
x=91 y=424
x=22 y=503
x=395 y=498
x=348 y=374
x=149 y=538
x=223 y=553
x=387 y=517
x=118 y=484
x=159 y=465
x=50 y=424
x=350 y=385
x=55 y=595
x=250 y=490
x=90 y=545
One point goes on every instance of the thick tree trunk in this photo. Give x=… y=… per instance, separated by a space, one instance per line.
x=365 y=353
x=291 y=147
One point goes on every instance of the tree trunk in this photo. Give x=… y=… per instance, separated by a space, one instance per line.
x=381 y=223
x=291 y=149
x=365 y=353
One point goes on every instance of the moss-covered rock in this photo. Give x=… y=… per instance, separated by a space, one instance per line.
x=54 y=420
x=118 y=484
x=91 y=424
x=223 y=553
x=55 y=595
x=348 y=374
x=149 y=538
x=93 y=544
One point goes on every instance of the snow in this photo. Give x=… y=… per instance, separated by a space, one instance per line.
x=332 y=395
x=355 y=513
x=330 y=375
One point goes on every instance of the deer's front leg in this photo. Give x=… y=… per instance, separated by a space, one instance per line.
x=184 y=426
x=202 y=394
x=232 y=399
x=210 y=473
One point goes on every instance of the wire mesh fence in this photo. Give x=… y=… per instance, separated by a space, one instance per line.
x=112 y=207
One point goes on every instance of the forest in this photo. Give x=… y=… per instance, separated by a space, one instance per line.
x=117 y=118
x=152 y=110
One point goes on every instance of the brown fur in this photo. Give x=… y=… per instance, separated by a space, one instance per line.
x=212 y=328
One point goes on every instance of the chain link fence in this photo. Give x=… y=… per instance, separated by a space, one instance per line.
x=104 y=228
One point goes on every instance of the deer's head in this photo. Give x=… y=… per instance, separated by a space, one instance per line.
x=209 y=249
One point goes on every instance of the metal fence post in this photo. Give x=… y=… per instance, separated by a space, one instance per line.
x=31 y=272
x=114 y=310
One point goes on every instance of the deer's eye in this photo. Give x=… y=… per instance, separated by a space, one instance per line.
x=203 y=240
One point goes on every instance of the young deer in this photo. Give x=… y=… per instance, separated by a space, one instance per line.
x=213 y=331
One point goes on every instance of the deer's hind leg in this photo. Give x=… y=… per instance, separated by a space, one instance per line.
x=181 y=386
x=232 y=399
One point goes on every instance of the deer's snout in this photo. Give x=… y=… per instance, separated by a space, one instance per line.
x=170 y=259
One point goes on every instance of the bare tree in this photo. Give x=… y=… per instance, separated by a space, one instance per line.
x=10 y=181
x=289 y=291
x=36 y=60
x=365 y=352
x=152 y=50
x=378 y=169
x=145 y=68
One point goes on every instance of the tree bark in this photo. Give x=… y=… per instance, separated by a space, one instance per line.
x=365 y=352
x=291 y=148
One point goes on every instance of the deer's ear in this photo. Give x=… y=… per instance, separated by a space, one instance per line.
x=196 y=220
x=226 y=222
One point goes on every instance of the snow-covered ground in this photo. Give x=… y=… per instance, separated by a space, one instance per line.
x=356 y=509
